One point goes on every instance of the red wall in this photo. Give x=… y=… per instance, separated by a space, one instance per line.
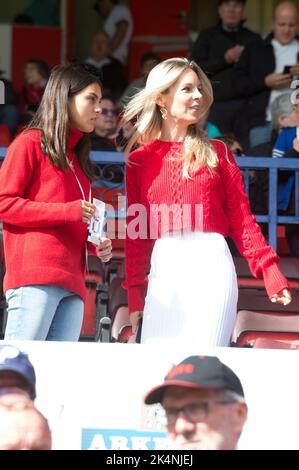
x=31 y=42
x=159 y=26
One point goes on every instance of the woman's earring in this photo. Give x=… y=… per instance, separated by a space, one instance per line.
x=163 y=112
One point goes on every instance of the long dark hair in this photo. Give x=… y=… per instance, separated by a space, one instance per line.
x=52 y=117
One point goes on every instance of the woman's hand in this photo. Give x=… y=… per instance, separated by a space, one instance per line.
x=283 y=297
x=88 y=211
x=105 y=249
x=135 y=318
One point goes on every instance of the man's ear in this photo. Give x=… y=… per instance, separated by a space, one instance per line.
x=240 y=416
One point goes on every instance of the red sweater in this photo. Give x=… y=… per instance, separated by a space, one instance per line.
x=152 y=179
x=40 y=206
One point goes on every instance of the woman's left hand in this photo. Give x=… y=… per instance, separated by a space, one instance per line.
x=105 y=249
x=283 y=297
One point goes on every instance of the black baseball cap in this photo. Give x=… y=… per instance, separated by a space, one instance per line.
x=12 y=359
x=197 y=372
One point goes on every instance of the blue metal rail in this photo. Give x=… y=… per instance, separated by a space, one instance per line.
x=273 y=165
x=96 y=157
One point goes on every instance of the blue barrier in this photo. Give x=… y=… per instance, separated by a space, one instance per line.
x=273 y=165
x=2 y=152
x=96 y=157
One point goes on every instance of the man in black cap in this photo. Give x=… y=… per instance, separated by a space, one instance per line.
x=17 y=375
x=216 y=50
x=204 y=404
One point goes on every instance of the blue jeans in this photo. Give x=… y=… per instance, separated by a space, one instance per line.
x=43 y=312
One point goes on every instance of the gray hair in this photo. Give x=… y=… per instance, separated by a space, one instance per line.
x=281 y=106
x=230 y=395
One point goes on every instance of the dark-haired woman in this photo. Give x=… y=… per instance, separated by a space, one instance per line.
x=45 y=203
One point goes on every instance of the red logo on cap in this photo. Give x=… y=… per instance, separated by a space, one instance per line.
x=181 y=369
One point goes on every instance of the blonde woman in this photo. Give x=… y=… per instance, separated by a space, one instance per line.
x=185 y=194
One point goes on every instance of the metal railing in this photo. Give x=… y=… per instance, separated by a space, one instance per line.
x=273 y=165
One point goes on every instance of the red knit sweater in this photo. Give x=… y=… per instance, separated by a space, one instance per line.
x=40 y=206
x=153 y=178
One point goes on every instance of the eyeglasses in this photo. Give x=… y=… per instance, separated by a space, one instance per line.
x=107 y=111
x=194 y=411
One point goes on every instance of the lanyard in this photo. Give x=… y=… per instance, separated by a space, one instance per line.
x=71 y=166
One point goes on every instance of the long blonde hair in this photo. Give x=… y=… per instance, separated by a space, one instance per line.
x=145 y=111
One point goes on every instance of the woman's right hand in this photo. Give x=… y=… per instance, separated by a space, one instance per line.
x=135 y=318
x=88 y=211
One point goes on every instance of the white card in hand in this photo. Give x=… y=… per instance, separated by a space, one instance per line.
x=97 y=223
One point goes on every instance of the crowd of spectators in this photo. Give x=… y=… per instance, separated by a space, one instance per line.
x=251 y=78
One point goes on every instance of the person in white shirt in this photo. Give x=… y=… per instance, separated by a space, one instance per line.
x=118 y=24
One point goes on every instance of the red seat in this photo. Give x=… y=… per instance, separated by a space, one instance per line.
x=266 y=343
x=252 y=326
x=257 y=300
x=94 y=276
x=114 y=200
x=283 y=248
x=5 y=137
x=116 y=227
x=289 y=267
x=118 y=311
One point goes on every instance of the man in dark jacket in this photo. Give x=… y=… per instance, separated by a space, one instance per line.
x=266 y=70
x=216 y=50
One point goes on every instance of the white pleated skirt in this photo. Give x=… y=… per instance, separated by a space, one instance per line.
x=192 y=293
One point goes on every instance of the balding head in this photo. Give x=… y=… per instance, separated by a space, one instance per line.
x=23 y=427
x=285 y=22
x=100 y=46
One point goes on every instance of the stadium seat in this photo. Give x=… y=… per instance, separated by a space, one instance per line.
x=289 y=267
x=251 y=327
x=118 y=311
x=283 y=248
x=5 y=137
x=257 y=300
x=116 y=226
x=265 y=343
x=94 y=277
